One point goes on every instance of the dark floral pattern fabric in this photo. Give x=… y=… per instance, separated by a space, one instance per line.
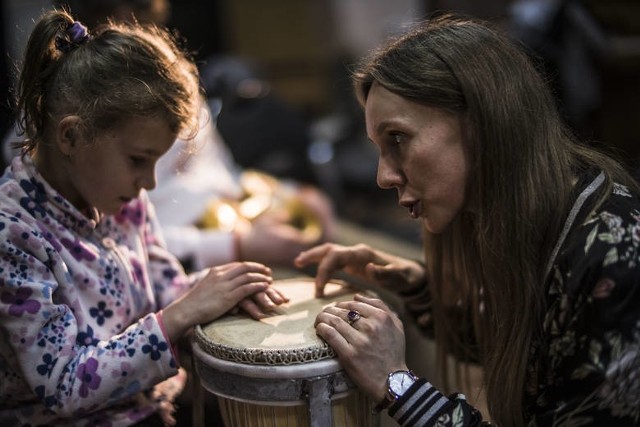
x=80 y=340
x=588 y=365
x=585 y=368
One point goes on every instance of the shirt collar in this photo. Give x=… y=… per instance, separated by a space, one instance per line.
x=48 y=199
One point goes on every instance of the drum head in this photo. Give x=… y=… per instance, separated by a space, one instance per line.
x=285 y=338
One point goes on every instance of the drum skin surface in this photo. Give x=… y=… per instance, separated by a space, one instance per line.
x=283 y=339
x=276 y=371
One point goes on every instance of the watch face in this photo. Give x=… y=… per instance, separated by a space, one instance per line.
x=399 y=382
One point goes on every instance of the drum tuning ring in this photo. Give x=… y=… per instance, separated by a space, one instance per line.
x=311 y=386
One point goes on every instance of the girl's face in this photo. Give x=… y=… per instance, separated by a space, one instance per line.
x=110 y=171
x=422 y=154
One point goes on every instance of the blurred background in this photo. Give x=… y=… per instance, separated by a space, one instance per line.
x=277 y=75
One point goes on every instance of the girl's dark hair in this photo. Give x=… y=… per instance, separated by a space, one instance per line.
x=121 y=71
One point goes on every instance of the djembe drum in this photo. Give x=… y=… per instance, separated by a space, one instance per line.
x=277 y=371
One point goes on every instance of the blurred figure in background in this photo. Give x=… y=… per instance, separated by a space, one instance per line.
x=591 y=54
x=211 y=211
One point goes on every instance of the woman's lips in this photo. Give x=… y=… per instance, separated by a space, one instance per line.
x=415 y=208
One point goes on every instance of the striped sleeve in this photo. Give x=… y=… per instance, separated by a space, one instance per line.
x=424 y=405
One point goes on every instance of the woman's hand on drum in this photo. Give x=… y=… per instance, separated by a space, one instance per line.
x=220 y=290
x=368 y=347
x=376 y=267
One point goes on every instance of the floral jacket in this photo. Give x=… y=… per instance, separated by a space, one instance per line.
x=585 y=370
x=81 y=337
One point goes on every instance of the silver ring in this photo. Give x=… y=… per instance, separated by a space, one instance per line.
x=353 y=316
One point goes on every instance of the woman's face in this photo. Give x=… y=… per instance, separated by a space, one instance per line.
x=110 y=171
x=422 y=154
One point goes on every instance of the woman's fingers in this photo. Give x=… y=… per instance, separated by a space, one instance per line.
x=368 y=302
x=311 y=256
x=368 y=339
x=325 y=256
x=331 y=257
x=333 y=329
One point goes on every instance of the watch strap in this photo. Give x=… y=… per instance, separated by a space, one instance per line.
x=384 y=404
x=390 y=398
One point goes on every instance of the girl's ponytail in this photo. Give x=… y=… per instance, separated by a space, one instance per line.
x=53 y=36
x=119 y=72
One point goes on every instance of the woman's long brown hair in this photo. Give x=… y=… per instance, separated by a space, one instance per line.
x=490 y=263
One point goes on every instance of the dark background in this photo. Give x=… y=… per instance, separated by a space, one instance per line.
x=299 y=51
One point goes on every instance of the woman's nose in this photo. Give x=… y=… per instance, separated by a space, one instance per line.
x=388 y=175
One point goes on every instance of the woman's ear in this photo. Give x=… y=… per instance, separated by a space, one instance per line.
x=68 y=134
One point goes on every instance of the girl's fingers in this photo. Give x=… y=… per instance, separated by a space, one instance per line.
x=246 y=290
x=235 y=269
x=252 y=309
x=276 y=296
x=250 y=278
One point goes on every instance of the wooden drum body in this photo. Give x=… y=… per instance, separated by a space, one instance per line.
x=277 y=371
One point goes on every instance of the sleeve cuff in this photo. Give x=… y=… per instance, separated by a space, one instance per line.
x=174 y=348
x=422 y=404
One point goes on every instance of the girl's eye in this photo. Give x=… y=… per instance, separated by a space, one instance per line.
x=137 y=161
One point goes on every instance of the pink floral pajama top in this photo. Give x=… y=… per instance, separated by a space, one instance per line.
x=81 y=340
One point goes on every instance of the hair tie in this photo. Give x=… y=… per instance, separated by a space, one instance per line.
x=76 y=34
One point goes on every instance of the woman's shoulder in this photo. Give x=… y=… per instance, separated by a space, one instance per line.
x=606 y=245
x=615 y=222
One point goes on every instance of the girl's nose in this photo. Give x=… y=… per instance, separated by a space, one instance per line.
x=148 y=180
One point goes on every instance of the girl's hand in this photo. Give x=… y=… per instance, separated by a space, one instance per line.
x=262 y=304
x=376 y=267
x=219 y=291
x=369 y=348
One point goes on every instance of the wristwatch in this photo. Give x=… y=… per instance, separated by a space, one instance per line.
x=398 y=382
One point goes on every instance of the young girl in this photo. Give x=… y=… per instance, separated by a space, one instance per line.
x=531 y=241
x=90 y=300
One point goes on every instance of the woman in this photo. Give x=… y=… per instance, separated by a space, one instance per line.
x=530 y=239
